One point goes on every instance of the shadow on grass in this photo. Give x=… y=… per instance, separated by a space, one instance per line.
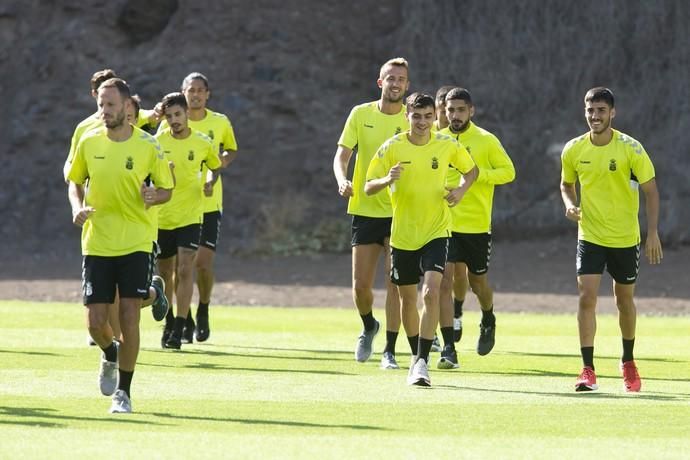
x=268 y=422
x=52 y=418
x=251 y=355
x=220 y=367
x=614 y=358
x=30 y=353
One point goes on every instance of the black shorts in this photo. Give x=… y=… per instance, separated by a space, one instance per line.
x=182 y=237
x=102 y=276
x=370 y=230
x=408 y=266
x=210 y=230
x=623 y=264
x=471 y=249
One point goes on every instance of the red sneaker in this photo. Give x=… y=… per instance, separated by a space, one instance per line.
x=587 y=381
x=631 y=379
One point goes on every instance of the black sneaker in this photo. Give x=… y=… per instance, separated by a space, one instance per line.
x=448 y=359
x=159 y=308
x=188 y=331
x=166 y=335
x=174 y=341
x=203 y=330
x=487 y=339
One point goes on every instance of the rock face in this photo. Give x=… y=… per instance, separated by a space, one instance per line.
x=287 y=74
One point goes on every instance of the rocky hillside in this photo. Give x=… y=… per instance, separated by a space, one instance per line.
x=287 y=73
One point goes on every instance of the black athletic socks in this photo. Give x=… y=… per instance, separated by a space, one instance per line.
x=448 y=336
x=368 y=321
x=202 y=309
x=587 y=356
x=457 y=305
x=628 y=346
x=110 y=352
x=125 y=381
x=424 y=348
x=179 y=324
x=189 y=315
x=169 y=317
x=391 y=338
x=414 y=342
x=488 y=318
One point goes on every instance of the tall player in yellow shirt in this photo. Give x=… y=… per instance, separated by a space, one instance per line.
x=179 y=220
x=414 y=167
x=116 y=236
x=469 y=248
x=366 y=128
x=611 y=167
x=217 y=126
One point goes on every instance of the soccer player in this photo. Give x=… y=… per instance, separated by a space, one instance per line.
x=610 y=166
x=179 y=220
x=414 y=166
x=469 y=248
x=366 y=128
x=441 y=118
x=116 y=237
x=216 y=126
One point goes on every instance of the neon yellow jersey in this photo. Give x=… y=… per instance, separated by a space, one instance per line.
x=609 y=177
x=473 y=213
x=116 y=171
x=189 y=155
x=420 y=212
x=218 y=127
x=366 y=129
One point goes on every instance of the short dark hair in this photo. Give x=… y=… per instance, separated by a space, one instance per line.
x=419 y=101
x=194 y=76
x=459 y=94
x=600 y=94
x=119 y=84
x=99 y=77
x=172 y=99
x=441 y=93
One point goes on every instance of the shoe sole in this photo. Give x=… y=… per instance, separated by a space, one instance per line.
x=446 y=364
x=583 y=387
x=485 y=350
x=389 y=367
x=421 y=383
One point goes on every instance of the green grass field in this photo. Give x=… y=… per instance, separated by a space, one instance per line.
x=282 y=383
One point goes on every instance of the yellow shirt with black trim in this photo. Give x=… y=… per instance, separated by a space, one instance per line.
x=189 y=155
x=217 y=127
x=116 y=171
x=609 y=177
x=366 y=129
x=420 y=211
x=473 y=213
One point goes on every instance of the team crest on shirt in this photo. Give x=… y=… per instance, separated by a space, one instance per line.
x=434 y=163
x=612 y=165
x=190 y=157
x=130 y=163
x=398 y=130
x=210 y=133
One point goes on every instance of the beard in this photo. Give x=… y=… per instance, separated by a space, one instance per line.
x=602 y=127
x=458 y=126
x=389 y=97
x=117 y=121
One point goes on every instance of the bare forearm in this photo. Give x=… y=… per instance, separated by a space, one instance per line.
x=75 y=194
x=568 y=195
x=376 y=185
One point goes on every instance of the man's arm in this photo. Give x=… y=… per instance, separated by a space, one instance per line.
x=569 y=197
x=340 y=163
x=227 y=157
x=455 y=194
x=652 y=248
x=376 y=185
x=80 y=213
x=153 y=196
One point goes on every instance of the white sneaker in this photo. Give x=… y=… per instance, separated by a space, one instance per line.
x=436 y=344
x=108 y=373
x=388 y=361
x=419 y=374
x=121 y=403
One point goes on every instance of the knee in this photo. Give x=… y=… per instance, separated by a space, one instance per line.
x=431 y=295
x=588 y=300
x=361 y=289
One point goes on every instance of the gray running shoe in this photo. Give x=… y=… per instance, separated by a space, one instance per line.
x=364 y=343
x=388 y=361
x=457 y=329
x=121 y=403
x=487 y=339
x=108 y=374
x=159 y=308
x=448 y=359
x=436 y=344
x=419 y=374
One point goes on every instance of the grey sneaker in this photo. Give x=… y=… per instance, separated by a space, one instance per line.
x=159 y=308
x=108 y=375
x=448 y=359
x=388 y=361
x=436 y=344
x=121 y=403
x=457 y=329
x=487 y=339
x=419 y=374
x=364 y=343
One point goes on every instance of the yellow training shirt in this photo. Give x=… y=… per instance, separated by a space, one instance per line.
x=420 y=212
x=189 y=155
x=366 y=129
x=609 y=177
x=473 y=213
x=116 y=171
x=217 y=127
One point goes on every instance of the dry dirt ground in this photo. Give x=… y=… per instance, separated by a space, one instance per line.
x=527 y=276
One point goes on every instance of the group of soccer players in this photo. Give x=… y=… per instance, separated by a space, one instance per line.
x=422 y=195
x=143 y=200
